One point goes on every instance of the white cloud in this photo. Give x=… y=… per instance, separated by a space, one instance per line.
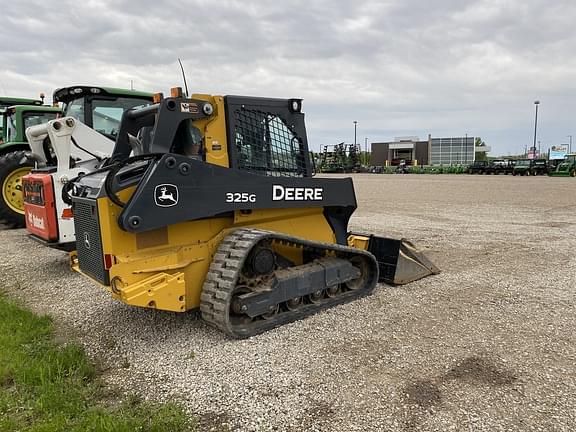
x=398 y=67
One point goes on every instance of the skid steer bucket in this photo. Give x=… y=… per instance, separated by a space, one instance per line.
x=399 y=261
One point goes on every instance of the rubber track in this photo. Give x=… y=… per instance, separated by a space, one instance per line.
x=225 y=269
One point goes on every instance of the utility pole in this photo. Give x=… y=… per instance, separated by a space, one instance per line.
x=570 y=145
x=366 y=151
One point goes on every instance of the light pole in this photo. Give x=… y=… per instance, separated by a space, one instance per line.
x=355 y=123
x=535 y=128
x=570 y=145
x=366 y=151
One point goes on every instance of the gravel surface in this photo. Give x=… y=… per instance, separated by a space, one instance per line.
x=487 y=345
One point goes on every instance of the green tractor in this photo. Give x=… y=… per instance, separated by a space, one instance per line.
x=14 y=163
x=7 y=101
x=566 y=168
x=100 y=108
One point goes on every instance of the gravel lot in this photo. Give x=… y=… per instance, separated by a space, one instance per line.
x=487 y=345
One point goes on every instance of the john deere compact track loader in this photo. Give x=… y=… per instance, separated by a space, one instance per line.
x=220 y=212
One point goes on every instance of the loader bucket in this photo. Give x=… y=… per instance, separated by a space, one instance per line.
x=399 y=261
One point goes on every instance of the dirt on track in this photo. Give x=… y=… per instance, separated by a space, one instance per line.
x=489 y=344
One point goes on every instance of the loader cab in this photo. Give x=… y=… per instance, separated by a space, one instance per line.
x=267 y=136
x=264 y=136
x=100 y=108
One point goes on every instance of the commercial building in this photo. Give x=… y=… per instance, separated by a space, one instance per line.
x=434 y=151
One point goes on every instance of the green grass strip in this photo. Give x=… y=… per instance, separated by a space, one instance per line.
x=46 y=386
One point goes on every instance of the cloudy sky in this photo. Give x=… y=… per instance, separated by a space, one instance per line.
x=398 y=67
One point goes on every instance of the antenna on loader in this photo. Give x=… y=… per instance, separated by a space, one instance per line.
x=184 y=77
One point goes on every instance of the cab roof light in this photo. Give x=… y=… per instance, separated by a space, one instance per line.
x=176 y=92
x=295 y=105
x=157 y=97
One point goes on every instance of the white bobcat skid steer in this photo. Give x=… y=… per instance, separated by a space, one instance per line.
x=78 y=150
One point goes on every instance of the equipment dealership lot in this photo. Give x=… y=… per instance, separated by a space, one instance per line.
x=488 y=344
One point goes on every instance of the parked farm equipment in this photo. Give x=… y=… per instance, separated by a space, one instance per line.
x=98 y=107
x=218 y=210
x=566 y=168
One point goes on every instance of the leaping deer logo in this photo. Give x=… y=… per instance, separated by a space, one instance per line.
x=166 y=195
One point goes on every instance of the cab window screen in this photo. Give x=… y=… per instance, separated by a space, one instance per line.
x=265 y=145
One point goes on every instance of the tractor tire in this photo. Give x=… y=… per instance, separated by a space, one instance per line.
x=573 y=172
x=13 y=166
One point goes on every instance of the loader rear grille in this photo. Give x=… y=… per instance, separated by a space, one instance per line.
x=88 y=240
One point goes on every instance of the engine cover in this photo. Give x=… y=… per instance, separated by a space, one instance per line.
x=40 y=206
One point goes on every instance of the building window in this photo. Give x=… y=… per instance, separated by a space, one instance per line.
x=452 y=151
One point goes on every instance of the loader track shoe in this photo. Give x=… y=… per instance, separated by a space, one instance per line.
x=243 y=295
